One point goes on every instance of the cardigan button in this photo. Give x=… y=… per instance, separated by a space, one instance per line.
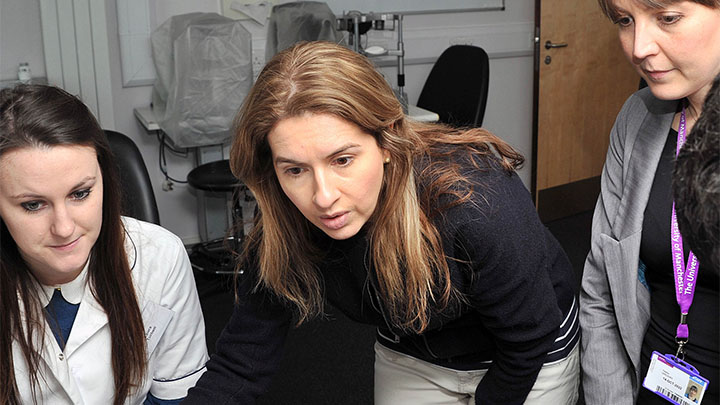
x=61 y=357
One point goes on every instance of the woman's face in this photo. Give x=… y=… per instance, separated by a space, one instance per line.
x=51 y=201
x=330 y=169
x=675 y=49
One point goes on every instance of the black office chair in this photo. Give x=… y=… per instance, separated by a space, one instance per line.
x=138 y=197
x=457 y=87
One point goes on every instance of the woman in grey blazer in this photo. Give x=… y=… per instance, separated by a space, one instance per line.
x=676 y=49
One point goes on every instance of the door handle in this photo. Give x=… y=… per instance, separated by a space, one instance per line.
x=549 y=45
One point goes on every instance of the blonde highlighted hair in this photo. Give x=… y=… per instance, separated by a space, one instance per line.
x=405 y=247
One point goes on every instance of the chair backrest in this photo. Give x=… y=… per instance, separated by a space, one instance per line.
x=457 y=87
x=138 y=197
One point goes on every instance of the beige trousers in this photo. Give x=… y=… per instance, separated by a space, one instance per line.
x=401 y=379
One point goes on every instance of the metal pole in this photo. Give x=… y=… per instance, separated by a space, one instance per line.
x=401 y=62
x=356 y=32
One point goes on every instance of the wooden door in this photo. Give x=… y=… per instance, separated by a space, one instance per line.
x=580 y=88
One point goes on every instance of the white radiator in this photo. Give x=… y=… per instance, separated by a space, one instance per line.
x=77 y=59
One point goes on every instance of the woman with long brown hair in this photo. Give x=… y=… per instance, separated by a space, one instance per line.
x=95 y=308
x=419 y=229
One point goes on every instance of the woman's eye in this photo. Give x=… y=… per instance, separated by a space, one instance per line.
x=623 y=21
x=81 y=194
x=32 y=205
x=343 y=161
x=293 y=171
x=669 y=19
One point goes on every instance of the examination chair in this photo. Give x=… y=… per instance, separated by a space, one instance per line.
x=138 y=197
x=457 y=86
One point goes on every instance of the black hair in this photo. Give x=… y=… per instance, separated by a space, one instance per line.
x=696 y=183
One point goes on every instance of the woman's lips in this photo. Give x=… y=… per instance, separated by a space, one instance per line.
x=335 y=222
x=66 y=247
x=656 y=75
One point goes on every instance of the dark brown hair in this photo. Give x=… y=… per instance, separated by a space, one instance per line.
x=44 y=116
x=405 y=247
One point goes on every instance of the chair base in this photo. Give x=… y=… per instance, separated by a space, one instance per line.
x=213 y=257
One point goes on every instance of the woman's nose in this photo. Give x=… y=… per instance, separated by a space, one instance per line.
x=326 y=191
x=644 y=43
x=63 y=224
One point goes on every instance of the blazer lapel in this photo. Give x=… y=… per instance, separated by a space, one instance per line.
x=642 y=161
x=642 y=164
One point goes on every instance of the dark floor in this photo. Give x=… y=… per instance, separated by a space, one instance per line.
x=331 y=361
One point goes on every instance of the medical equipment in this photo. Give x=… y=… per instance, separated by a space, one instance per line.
x=357 y=24
x=203 y=64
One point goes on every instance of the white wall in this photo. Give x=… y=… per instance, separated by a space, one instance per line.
x=20 y=38
x=506 y=35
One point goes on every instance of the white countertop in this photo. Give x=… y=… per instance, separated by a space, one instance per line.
x=147 y=118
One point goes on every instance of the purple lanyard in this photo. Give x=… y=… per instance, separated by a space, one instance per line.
x=685 y=278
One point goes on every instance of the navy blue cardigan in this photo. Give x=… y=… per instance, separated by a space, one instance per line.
x=517 y=283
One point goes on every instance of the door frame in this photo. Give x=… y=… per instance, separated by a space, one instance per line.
x=536 y=94
x=565 y=199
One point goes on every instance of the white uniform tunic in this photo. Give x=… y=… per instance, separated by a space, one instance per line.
x=174 y=329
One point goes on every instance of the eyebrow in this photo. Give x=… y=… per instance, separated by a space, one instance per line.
x=280 y=159
x=82 y=183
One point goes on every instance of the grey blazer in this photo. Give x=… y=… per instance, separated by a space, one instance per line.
x=614 y=300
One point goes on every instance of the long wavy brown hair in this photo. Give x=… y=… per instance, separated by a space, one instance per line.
x=44 y=116
x=405 y=246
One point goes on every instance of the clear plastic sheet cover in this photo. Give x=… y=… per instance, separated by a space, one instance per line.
x=203 y=63
x=300 y=21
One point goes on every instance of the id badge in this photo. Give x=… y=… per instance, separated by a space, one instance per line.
x=156 y=319
x=673 y=379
